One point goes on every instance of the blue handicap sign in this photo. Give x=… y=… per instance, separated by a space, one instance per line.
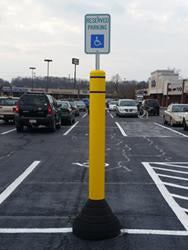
x=97 y=41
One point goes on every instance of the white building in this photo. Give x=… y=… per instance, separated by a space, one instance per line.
x=166 y=86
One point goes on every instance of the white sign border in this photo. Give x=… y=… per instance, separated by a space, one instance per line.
x=109 y=40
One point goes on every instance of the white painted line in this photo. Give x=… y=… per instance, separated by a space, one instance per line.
x=173 y=177
x=181 y=215
x=9 y=131
x=7 y=192
x=179 y=133
x=121 y=129
x=173 y=165
x=69 y=130
x=180 y=197
x=185 y=210
x=111 y=115
x=69 y=230
x=155 y=232
x=171 y=170
x=175 y=185
x=35 y=230
x=84 y=116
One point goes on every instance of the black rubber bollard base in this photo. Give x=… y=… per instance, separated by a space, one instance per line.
x=96 y=222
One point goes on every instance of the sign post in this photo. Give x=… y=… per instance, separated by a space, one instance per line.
x=96 y=220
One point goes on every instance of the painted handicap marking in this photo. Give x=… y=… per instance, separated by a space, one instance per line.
x=107 y=165
x=171 y=172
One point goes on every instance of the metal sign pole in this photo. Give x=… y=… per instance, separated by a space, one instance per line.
x=97 y=61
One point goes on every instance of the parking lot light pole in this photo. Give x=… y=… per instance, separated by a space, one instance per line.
x=96 y=221
x=75 y=61
x=47 y=78
x=32 y=75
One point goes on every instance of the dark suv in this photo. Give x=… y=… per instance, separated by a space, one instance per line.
x=151 y=105
x=35 y=109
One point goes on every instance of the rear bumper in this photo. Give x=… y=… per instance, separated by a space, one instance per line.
x=7 y=116
x=35 y=121
x=128 y=114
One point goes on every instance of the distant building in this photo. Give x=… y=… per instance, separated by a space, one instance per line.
x=167 y=87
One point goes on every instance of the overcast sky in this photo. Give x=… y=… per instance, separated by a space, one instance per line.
x=146 y=35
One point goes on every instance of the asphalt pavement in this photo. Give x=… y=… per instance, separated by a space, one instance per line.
x=44 y=185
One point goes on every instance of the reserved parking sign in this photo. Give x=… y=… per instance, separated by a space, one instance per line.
x=97 y=33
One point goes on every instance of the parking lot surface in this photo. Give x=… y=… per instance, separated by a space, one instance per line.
x=44 y=185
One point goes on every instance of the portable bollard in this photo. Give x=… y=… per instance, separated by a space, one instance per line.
x=96 y=220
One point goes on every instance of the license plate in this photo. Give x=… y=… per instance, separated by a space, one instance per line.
x=32 y=121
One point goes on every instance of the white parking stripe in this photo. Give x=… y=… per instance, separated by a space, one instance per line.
x=69 y=130
x=9 y=131
x=8 y=191
x=84 y=116
x=111 y=115
x=175 y=185
x=173 y=177
x=69 y=230
x=174 y=165
x=170 y=170
x=180 y=197
x=179 y=133
x=121 y=129
x=181 y=215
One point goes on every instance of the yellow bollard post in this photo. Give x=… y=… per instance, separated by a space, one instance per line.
x=97 y=136
x=96 y=220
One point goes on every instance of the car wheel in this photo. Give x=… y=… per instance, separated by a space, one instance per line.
x=19 y=128
x=165 y=121
x=185 y=125
x=171 y=123
x=53 y=126
x=58 y=125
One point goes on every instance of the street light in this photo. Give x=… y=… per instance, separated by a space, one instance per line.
x=75 y=61
x=32 y=74
x=47 y=78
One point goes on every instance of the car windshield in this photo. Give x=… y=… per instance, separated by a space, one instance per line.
x=180 y=108
x=127 y=103
x=64 y=104
x=80 y=103
x=113 y=103
x=8 y=102
x=33 y=100
x=152 y=103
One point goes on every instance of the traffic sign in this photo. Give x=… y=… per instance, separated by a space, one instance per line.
x=75 y=61
x=97 y=33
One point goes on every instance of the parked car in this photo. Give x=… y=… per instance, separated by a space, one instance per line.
x=152 y=105
x=127 y=107
x=86 y=101
x=67 y=112
x=7 y=107
x=175 y=113
x=35 y=109
x=81 y=105
x=185 y=121
x=75 y=108
x=112 y=105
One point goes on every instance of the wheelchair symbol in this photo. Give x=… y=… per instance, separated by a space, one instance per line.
x=97 y=41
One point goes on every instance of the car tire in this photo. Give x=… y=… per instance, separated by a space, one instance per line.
x=165 y=122
x=52 y=127
x=185 y=125
x=171 y=123
x=19 y=128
